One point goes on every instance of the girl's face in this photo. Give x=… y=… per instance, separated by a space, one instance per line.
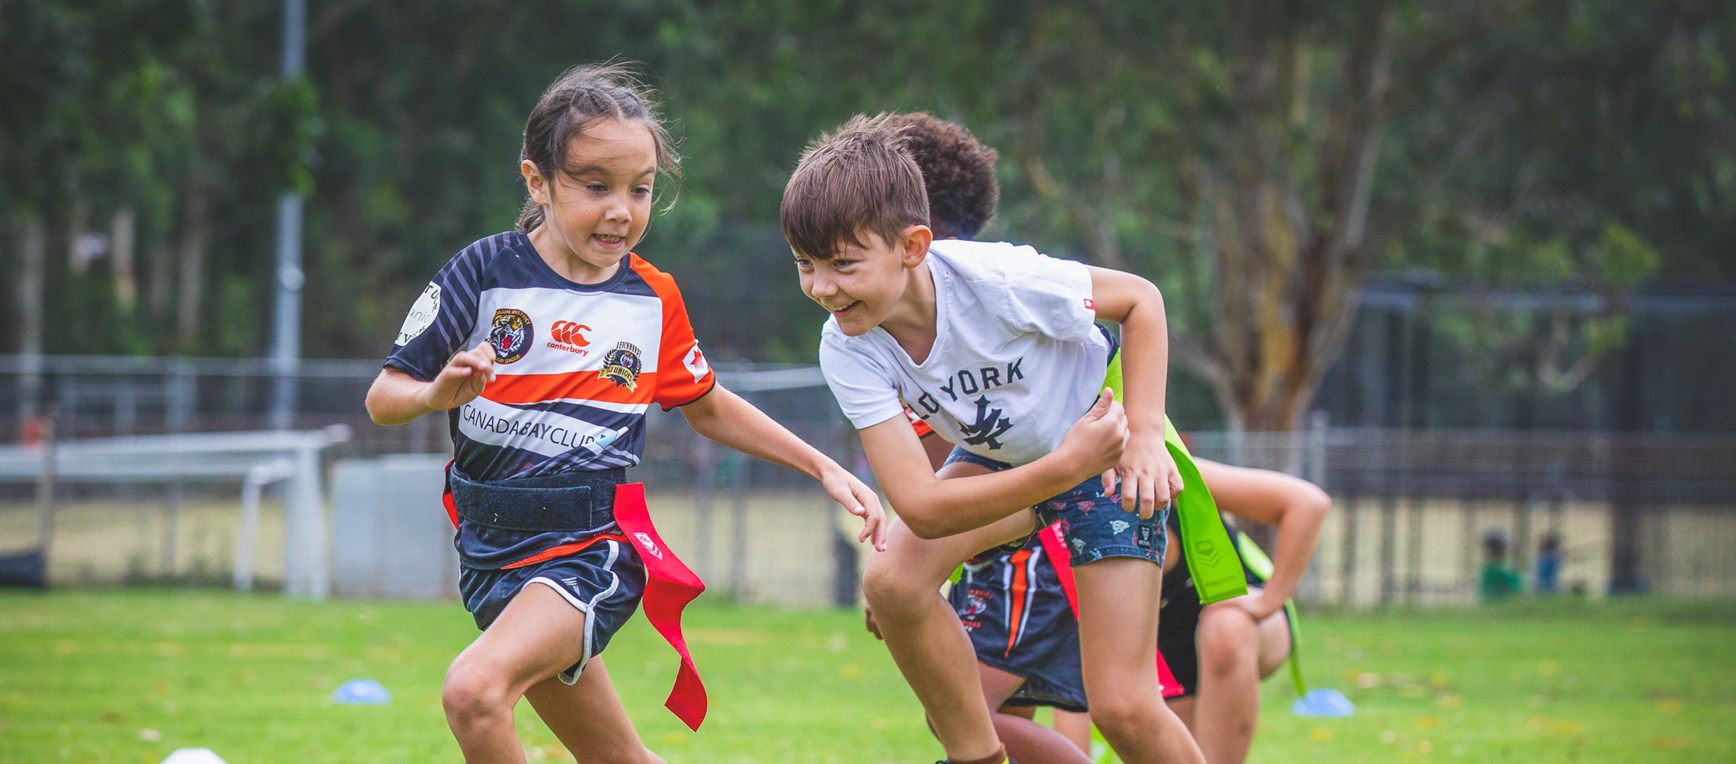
x=596 y=208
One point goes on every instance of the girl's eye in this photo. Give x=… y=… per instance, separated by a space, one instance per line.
x=596 y=188
x=642 y=191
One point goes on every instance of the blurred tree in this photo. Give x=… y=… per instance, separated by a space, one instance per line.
x=1254 y=158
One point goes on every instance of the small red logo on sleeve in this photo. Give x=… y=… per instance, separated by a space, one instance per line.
x=1089 y=305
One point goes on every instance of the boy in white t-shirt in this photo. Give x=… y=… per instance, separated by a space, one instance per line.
x=995 y=347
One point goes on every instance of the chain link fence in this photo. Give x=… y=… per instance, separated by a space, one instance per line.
x=1632 y=512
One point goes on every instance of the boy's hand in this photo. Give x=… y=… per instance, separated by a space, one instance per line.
x=462 y=379
x=1149 y=478
x=1098 y=438
x=859 y=500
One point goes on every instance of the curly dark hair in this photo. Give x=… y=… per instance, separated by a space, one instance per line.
x=957 y=170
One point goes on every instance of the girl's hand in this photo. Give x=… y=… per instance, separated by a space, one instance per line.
x=859 y=500
x=1149 y=478
x=1255 y=603
x=462 y=379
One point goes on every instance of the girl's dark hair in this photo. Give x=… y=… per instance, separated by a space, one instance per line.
x=957 y=170
x=581 y=97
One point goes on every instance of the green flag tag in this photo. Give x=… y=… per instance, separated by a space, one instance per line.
x=1211 y=560
x=1217 y=572
x=1261 y=566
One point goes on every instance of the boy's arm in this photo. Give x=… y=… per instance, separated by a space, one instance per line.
x=398 y=398
x=933 y=507
x=1149 y=477
x=726 y=418
x=1296 y=506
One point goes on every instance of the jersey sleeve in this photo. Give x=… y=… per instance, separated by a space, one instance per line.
x=1048 y=295
x=683 y=375
x=864 y=391
x=440 y=320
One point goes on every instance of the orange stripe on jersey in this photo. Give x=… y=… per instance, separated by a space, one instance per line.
x=916 y=423
x=679 y=358
x=565 y=550
x=1016 y=599
x=581 y=385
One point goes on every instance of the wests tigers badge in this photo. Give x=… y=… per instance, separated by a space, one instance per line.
x=510 y=336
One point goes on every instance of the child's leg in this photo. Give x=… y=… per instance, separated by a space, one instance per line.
x=588 y=717
x=1234 y=653
x=1025 y=739
x=1118 y=605
x=923 y=634
x=537 y=636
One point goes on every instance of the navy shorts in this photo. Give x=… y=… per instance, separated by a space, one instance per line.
x=1179 y=620
x=505 y=528
x=1019 y=621
x=1092 y=522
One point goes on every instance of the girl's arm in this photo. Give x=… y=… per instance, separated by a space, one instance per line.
x=398 y=398
x=1296 y=506
x=933 y=507
x=1149 y=477
x=726 y=418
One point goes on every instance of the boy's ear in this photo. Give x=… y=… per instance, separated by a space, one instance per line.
x=534 y=182
x=913 y=244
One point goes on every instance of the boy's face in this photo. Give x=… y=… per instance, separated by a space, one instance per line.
x=862 y=285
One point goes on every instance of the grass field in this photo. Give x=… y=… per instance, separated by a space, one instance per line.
x=128 y=676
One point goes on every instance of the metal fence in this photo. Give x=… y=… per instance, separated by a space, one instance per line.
x=1633 y=512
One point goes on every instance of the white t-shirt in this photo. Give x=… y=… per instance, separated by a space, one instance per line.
x=1017 y=357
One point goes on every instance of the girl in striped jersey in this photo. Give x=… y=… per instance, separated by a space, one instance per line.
x=546 y=345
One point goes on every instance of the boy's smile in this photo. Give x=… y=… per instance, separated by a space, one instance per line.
x=867 y=285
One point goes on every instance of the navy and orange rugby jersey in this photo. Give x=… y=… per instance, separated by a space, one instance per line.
x=576 y=364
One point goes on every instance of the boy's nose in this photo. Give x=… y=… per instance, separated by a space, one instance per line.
x=821 y=287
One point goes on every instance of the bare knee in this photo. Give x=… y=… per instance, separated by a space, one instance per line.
x=890 y=588
x=1227 y=641
x=1119 y=712
x=472 y=691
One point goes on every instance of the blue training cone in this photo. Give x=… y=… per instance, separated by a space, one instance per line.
x=1323 y=702
x=363 y=692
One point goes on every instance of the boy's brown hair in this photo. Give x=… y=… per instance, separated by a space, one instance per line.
x=857 y=179
x=958 y=172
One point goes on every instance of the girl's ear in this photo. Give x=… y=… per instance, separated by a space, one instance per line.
x=534 y=182
x=913 y=244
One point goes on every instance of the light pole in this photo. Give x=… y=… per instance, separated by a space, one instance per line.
x=288 y=276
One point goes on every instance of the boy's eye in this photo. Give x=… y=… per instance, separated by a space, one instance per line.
x=804 y=264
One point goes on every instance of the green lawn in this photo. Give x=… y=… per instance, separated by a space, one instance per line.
x=128 y=676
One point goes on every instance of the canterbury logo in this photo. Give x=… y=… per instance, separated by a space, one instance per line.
x=569 y=333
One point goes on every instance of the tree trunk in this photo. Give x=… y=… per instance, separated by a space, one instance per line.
x=121 y=241
x=1288 y=267
x=195 y=245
